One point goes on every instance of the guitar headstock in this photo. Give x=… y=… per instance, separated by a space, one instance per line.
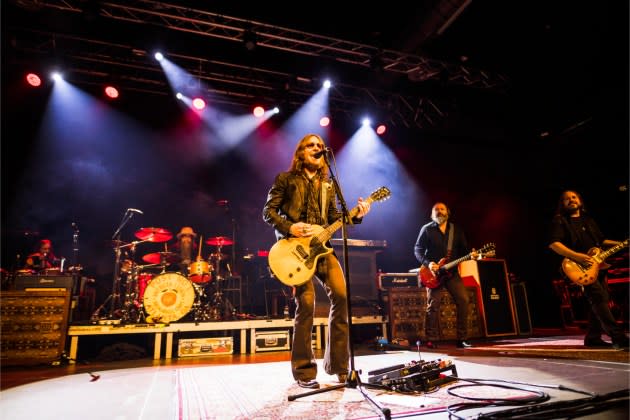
x=383 y=193
x=488 y=249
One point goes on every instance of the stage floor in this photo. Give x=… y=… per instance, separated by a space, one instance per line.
x=257 y=386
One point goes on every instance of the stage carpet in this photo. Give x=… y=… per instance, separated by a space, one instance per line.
x=260 y=391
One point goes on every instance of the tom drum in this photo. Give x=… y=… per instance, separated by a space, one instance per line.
x=199 y=272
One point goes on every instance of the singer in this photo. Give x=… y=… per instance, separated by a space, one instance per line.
x=43 y=260
x=298 y=200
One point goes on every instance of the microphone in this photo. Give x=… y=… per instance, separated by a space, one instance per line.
x=322 y=152
x=135 y=211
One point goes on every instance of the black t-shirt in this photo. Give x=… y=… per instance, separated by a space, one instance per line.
x=578 y=233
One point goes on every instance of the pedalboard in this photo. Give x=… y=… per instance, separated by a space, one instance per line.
x=414 y=376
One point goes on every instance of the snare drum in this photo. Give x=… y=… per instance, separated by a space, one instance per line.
x=168 y=297
x=199 y=272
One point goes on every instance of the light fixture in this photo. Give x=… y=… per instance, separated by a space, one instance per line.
x=249 y=40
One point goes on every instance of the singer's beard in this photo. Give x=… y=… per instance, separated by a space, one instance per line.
x=439 y=219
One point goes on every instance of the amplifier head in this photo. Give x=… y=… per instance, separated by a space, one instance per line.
x=396 y=280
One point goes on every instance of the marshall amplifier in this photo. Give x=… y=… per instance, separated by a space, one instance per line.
x=397 y=280
x=46 y=282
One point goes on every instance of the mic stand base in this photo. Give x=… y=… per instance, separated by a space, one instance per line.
x=354 y=381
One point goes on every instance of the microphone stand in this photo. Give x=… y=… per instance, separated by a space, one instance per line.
x=75 y=259
x=114 y=297
x=353 y=381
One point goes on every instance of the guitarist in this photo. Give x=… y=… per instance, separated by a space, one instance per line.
x=298 y=199
x=432 y=248
x=573 y=233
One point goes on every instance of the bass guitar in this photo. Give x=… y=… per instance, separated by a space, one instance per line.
x=432 y=279
x=585 y=274
x=293 y=260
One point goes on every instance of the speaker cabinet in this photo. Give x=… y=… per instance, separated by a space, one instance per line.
x=496 y=297
x=34 y=326
x=407 y=309
x=521 y=309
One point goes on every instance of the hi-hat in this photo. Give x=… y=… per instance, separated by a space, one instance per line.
x=158 y=257
x=220 y=241
x=153 y=234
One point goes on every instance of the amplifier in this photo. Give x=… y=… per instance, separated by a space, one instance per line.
x=47 y=282
x=395 y=280
x=34 y=326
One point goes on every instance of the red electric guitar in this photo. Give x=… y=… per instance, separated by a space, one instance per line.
x=433 y=279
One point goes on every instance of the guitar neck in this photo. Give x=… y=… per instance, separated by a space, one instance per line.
x=455 y=262
x=605 y=254
x=328 y=232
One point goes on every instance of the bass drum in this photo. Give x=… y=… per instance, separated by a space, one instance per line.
x=168 y=297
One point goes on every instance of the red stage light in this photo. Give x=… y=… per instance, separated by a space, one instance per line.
x=111 y=92
x=381 y=129
x=33 y=80
x=324 y=121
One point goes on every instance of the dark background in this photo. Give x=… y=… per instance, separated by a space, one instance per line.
x=559 y=68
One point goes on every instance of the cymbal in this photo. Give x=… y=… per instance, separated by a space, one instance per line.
x=153 y=234
x=158 y=257
x=220 y=241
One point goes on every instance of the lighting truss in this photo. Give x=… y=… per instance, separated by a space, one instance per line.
x=93 y=62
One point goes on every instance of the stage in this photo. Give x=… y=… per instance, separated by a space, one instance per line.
x=257 y=386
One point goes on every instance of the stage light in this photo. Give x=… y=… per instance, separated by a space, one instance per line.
x=366 y=121
x=259 y=111
x=199 y=103
x=179 y=96
x=56 y=76
x=33 y=80
x=324 y=121
x=111 y=92
x=327 y=84
x=381 y=129
x=249 y=40
x=159 y=56
x=276 y=110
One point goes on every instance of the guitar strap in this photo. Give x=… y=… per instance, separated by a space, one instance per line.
x=324 y=204
x=449 y=246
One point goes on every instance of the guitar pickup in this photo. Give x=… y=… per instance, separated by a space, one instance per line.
x=301 y=252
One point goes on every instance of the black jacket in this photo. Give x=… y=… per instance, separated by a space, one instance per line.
x=286 y=200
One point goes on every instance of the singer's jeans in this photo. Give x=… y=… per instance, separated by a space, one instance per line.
x=337 y=353
x=455 y=286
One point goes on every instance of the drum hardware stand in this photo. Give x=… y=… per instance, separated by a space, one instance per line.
x=353 y=380
x=114 y=298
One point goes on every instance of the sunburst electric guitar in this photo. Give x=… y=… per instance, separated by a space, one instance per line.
x=587 y=274
x=433 y=279
x=293 y=260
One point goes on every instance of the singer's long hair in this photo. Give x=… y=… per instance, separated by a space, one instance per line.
x=298 y=157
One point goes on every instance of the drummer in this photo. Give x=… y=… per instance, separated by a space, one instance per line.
x=44 y=259
x=185 y=245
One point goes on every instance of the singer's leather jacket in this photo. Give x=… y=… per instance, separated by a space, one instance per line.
x=286 y=199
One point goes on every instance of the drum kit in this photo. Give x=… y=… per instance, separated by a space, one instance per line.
x=168 y=288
